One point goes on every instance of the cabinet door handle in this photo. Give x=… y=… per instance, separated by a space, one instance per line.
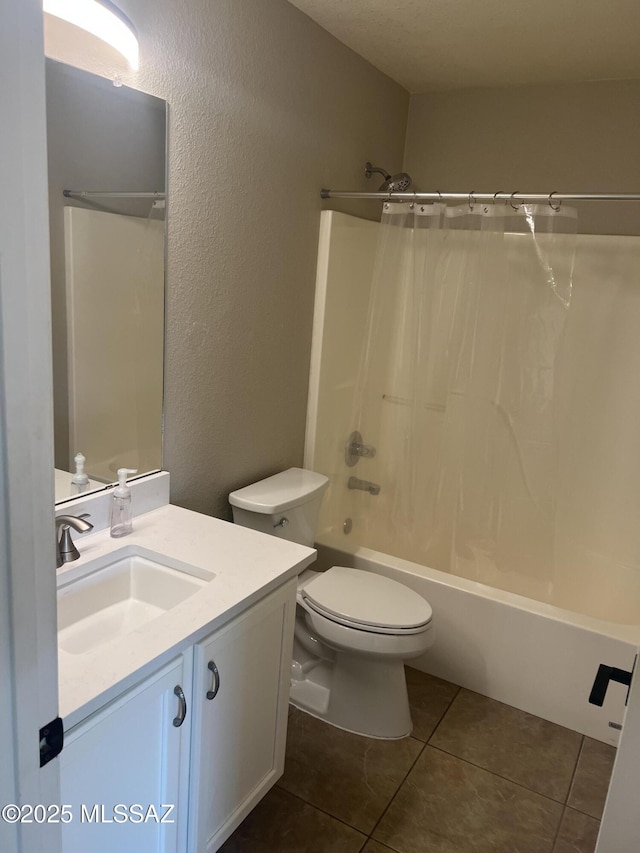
x=215 y=686
x=182 y=708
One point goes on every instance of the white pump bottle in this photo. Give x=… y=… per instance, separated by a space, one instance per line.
x=80 y=478
x=121 y=518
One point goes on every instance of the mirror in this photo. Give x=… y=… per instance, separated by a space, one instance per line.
x=107 y=276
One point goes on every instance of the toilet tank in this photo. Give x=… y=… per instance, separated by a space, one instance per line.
x=285 y=505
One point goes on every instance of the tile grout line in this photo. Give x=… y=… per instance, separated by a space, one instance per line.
x=444 y=713
x=566 y=800
x=322 y=811
x=584 y=814
x=401 y=783
x=575 y=773
x=369 y=836
x=424 y=746
x=494 y=773
x=497 y=775
x=380 y=844
x=557 y=835
x=575 y=769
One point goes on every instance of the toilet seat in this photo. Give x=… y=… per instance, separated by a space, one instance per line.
x=366 y=602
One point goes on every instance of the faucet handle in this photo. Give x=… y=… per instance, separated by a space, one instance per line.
x=64 y=525
x=76 y=521
x=66 y=551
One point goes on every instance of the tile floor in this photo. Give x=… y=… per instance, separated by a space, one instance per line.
x=476 y=776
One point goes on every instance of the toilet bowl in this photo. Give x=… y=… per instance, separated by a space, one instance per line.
x=354 y=629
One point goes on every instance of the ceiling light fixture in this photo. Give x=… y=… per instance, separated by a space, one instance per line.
x=101 y=18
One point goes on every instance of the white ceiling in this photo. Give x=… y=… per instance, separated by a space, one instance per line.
x=426 y=45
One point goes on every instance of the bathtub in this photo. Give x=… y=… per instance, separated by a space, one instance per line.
x=534 y=656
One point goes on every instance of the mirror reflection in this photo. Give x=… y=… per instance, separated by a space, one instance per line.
x=106 y=158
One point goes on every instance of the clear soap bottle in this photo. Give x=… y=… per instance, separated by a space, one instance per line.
x=121 y=518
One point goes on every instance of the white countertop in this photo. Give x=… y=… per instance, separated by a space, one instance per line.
x=247 y=566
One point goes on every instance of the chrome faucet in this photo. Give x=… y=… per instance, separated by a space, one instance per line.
x=364 y=485
x=66 y=551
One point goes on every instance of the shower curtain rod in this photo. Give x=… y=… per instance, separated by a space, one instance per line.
x=474 y=196
x=85 y=194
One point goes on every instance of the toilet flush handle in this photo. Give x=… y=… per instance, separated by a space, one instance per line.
x=282 y=523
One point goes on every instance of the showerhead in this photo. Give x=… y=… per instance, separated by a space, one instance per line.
x=399 y=183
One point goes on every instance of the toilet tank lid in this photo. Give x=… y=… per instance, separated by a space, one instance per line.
x=282 y=491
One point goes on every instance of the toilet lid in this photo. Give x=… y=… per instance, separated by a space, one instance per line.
x=366 y=599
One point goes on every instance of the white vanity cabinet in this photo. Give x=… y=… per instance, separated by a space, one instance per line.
x=212 y=768
x=239 y=725
x=130 y=753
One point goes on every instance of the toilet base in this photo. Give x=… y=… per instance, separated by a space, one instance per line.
x=360 y=695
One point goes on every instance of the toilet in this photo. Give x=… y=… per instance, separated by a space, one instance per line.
x=354 y=629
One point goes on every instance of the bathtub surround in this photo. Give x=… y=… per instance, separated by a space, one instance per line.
x=573 y=606
x=589 y=419
x=456 y=385
x=261 y=99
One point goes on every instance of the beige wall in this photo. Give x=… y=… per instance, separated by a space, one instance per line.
x=581 y=137
x=265 y=107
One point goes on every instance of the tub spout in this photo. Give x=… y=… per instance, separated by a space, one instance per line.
x=363 y=485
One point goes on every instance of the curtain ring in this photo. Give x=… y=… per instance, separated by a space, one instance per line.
x=440 y=196
x=471 y=200
x=550 y=205
x=413 y=203
x=495 y=196
x=511 y=201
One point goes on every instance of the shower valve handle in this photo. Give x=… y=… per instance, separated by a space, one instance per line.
x=365 y=450
x=356 y=449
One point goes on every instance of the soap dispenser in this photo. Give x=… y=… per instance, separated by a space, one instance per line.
x=121 y=519
x=80 y=479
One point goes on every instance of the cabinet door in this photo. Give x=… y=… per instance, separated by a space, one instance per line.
x=131 y=753
x=240 y=711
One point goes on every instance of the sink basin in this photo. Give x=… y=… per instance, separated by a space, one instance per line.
x=117 y=597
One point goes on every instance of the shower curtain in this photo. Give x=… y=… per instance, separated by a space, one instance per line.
x=456 y=384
